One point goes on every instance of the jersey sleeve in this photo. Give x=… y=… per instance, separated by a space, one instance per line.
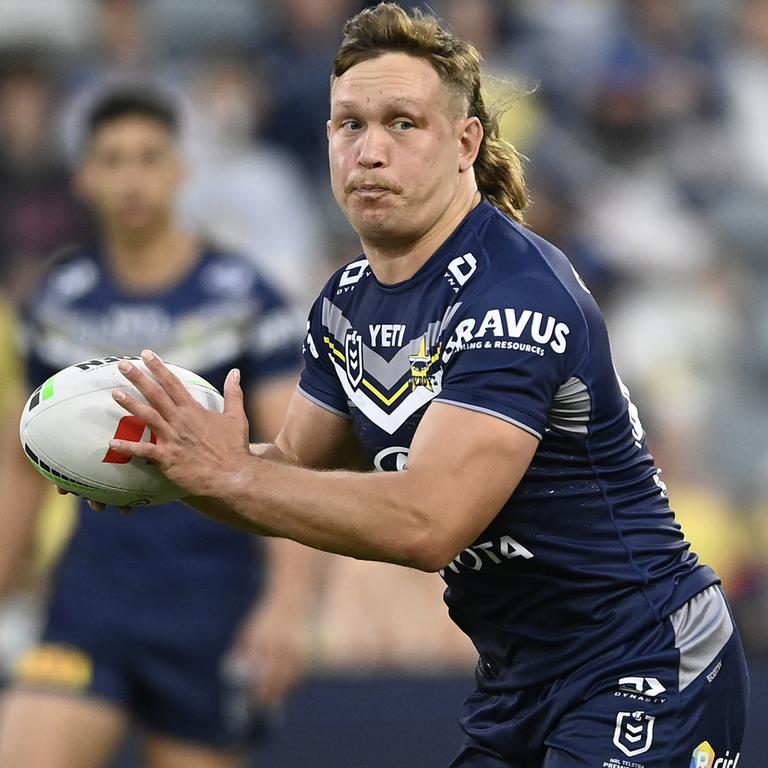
x=274 y=347
x=511 y=357
x=319 y=382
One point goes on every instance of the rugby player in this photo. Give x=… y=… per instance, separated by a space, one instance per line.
x=463 y=353
x=150 y=620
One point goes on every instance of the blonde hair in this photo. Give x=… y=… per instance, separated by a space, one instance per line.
x=388 y=28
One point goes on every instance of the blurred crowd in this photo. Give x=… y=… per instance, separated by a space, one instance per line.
x=645 y=128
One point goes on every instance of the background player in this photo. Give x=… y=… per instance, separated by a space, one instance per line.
x=471 y=349
x=144 y=618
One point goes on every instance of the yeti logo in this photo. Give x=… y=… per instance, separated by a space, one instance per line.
x=634 y=732
x=353 y=347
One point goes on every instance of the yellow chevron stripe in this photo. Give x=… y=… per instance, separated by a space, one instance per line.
x=333 y=349
x=384 y=399
x=380 y=395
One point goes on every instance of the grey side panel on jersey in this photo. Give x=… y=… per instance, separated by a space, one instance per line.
x=571 y=407
x=702 y=628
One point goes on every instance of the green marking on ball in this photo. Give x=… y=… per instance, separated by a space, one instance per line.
x=47 y=391
x=69 y=485
x=202 y=383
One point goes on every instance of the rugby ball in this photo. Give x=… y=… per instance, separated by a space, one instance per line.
x=69 y=420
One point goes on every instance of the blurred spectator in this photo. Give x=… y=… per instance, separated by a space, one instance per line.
x=747 y=80
x=37 y=210
x=56 y=24
x=247 y=194
x=558 y=179
x=299 y=55
x=182 y=27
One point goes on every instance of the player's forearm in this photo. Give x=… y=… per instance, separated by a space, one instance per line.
x=213 y=508
x=369 y=516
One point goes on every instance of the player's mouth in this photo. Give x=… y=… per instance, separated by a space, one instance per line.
x=370 y=191
x=371 y=187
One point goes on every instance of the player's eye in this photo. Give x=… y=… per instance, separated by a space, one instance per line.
x=350 y=124
x=403 y=125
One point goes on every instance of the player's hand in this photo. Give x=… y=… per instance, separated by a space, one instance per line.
x=195 y=448
x=96 y=506
x=271 y=647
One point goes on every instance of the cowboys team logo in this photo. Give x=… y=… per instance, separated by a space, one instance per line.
x=634 y=732
x=353 y=347
x=420 y=365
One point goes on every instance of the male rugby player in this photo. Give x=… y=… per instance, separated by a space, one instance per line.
x=463 y=351
x=150 y=620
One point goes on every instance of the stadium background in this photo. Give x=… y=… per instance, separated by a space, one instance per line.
x=645 y=125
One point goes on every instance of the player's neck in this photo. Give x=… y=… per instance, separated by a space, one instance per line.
x=154 y=262
x=397 y=262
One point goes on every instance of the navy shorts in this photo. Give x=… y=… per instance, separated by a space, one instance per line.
x=676 y=699
x=155 y=650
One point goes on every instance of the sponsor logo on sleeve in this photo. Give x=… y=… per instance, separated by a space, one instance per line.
x=508 y=328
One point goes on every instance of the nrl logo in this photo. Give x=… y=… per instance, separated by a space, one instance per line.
x=353 y=348
x=634 y=732
x=420 y=365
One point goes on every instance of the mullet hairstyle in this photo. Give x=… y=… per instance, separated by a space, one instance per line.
x=387 y=28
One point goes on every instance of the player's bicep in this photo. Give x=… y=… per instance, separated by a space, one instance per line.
x=468 y=464
x=313 y=436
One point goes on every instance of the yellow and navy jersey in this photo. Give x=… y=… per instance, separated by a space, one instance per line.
x=221 y=314
x=586 y=551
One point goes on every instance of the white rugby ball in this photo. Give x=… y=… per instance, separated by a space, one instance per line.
x=69 y=420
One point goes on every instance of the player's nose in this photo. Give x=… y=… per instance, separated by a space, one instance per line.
x=373 y=149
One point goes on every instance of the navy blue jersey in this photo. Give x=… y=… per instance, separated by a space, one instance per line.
x=586 y=553
x=221 y=314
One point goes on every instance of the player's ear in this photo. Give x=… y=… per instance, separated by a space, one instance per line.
x=328 y=129
x=470 y=138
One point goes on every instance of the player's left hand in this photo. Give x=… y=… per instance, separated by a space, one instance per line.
x=195 y=448
x=271 y=646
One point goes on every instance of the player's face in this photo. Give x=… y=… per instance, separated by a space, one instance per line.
x=394 y=141
x=131 y=173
